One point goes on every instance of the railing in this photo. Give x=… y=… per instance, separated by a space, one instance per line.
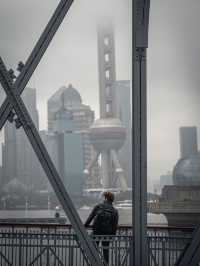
x=165 y=244
x=55 y=245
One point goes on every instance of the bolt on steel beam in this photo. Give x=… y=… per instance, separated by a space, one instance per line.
x=190 y=256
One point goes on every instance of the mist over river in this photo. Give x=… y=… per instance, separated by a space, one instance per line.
x=125 y=215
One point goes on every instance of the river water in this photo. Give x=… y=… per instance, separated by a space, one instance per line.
x=125 y=215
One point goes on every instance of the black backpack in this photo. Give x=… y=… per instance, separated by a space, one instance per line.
x=103 y=222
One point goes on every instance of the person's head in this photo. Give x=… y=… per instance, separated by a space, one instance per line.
x=109 y=196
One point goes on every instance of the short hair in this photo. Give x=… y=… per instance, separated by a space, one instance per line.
x=109 y=196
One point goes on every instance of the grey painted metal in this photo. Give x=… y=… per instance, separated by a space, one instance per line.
x=142 y=23
x=191 y=254
x=57 y=245
x=165 y=246
x=87 y=171
x=32 y=133
x=140 y=43
x=119 y=171
x=36 y=55
x=48 y=166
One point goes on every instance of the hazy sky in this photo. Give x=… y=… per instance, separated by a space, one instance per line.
x=173 y=60
x=173 y=79
x=72 y=55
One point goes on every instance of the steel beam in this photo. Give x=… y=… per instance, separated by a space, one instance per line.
x=139 y=152
x=191 y=254
x=48 y=166
x=36 y=55
x=13 y=100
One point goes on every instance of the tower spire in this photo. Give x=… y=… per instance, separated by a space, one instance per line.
x=107 y=133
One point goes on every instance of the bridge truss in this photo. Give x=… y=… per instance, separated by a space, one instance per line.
x=14 y=109
x=139 y=138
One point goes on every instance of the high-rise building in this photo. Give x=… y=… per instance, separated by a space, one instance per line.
x=9 y=153
x=67 y=113
x=66 y=152
x=19 y=159
x=188 y=141
x=70 y=157
x=70 y=99
x=166 y=180
x=123 y=103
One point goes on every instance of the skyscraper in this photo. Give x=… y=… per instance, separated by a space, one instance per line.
x=70 y=158
x=166 y=180
x=123 y=103
x=19 y=160
x=188 y=141
x=70 y=99
x=66 y=113
x=66 y=151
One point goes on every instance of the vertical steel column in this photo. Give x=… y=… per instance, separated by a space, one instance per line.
x=139 y=152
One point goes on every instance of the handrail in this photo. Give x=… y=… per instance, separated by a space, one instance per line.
x=120 y=227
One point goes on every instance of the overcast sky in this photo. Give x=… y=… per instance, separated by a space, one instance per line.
x=72 y=55
x=173 y=61
x=173 y=79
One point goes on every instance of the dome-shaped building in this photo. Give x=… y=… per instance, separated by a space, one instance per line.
x=67 y=113
x=71 y=96
x=15 y=187
x=187 y=171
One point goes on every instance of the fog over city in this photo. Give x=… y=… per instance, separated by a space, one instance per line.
x=173 y=63
x=173 y=79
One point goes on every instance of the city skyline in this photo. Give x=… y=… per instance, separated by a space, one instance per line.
x=114 y=113
x=172 y=62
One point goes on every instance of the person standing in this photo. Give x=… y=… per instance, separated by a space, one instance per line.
x=105 y=221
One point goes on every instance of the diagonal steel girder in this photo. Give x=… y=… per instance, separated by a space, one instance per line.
x=48 y=166
x=36 y=55
x=14 y=101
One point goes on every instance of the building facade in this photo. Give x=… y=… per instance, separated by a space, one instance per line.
x=70 y=153
x=66 y=152
x=70 y=99
x=188 y=141
x=67 y=113
x=123 y=105
x=166 y=180
x=18 y=159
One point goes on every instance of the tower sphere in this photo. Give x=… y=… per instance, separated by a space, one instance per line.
x=107 y=134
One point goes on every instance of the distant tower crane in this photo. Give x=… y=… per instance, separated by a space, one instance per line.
x=107 y=133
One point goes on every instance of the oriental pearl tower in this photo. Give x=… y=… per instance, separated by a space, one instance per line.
x=107 y=133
